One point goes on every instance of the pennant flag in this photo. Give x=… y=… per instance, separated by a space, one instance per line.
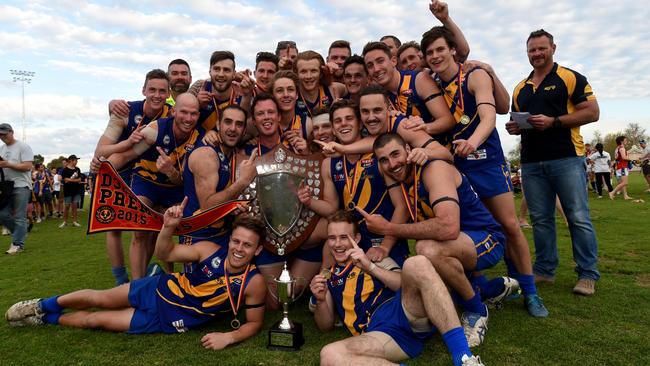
x=114 y=206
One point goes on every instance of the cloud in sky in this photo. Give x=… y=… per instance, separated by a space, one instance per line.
x=88 y=52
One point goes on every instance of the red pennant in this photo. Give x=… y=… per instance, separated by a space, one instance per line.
x=115 y=207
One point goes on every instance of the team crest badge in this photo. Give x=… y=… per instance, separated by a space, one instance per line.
x=339 y=165
x=222 y=157
x=137 y=119
x=105 y=214
x=166 y=139
x=216 y=262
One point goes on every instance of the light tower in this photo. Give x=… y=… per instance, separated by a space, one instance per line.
x=24 y=77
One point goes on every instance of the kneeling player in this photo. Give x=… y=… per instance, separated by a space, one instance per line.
x=367 y=297
x=452 y=227
x=171 y=303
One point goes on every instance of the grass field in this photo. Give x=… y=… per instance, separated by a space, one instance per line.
x=606 y=329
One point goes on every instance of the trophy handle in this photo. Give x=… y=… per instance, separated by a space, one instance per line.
x=271 y=287
x=301 y=283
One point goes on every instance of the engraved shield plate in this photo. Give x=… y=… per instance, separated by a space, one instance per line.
x=273 y=196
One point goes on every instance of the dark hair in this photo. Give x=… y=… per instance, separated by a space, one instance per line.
x=233 y=106
x=383 y=140
x=344 y=103
x=339 y=44
x=371 y=46
x=600 y=147
x=355 y=59
x=179 y=61
x=283 y=45
x=433 y=34
x=262 y=97
x=344 y=216
x=285 y=74
x=374 y=89
x=619 y=140
x=251 y=223
x=320 y=110
x=407 y=45
x=540 y=33
x=220 y=56
x=155 y=74
x=395 y=39
x=266 y=57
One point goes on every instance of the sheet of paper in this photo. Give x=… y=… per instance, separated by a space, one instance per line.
x=522 y=120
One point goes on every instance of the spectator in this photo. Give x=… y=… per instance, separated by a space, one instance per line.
x=57 y=198
x=601 y=161
x=42 y=192
x=71 y=190
x=622 y=168
x=644 y=160
x=16 y=160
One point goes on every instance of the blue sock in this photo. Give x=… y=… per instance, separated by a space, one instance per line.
x=50 y=305
x=52 y=318
x=120 y=275
x=479 y=280
x=457 y=345
x=474 y=305
x=527 y=284
x=512 y=270
x=492 y=288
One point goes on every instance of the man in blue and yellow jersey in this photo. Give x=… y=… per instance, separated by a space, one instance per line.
x=157 y=175
x=217 y=92
x=210 y=179
x=390 y=314
x=284 y=89
x=559 y=101
x=315 y=90
x=225 y=281
x=451 y=226
x=355 y=76
x=353 y=179
x=120 y=135
x=469 y=95
x=266 y=65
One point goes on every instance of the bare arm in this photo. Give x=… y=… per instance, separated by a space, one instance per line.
x=330 y=202
x=149 y=133
x=480 y=85
x=441 y=11
x=167 y=250
x=443 y=121
x=324 y=314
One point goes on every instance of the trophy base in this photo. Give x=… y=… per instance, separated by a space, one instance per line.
x=286 y=340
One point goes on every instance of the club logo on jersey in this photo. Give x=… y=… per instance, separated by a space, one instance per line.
x=222 y=157
x=137 y=119
x=366 y=163
x=236 y=281
x=300 y=104
x=206 y=271
x=216 y=262
x=105 y=214
x=166 y=139
x=339 y=165
x=407 y=93
x=189 y=147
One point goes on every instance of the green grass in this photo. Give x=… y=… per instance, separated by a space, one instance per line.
x=606 y=329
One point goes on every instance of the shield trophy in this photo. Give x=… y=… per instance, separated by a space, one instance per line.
x=273 y=195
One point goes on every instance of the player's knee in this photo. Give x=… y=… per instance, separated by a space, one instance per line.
x=332 y=354
x=416 y=265
x=427 y=249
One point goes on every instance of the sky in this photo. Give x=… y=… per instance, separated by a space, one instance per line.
x=85 y=53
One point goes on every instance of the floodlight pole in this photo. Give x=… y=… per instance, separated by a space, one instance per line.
x=24 y=77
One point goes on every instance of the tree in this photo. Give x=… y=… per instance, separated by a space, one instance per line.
x=634 y=133
x=598 y=138
x=514 y=156
x=609 y=142
x=56 y=163
x=38 y=159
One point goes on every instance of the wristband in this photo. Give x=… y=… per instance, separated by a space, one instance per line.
x=557 y=123
x=373 y=266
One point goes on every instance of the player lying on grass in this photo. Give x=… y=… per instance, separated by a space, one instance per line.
x=222 y=278
x=395 y=321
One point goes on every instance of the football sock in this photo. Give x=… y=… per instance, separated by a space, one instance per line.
x=492 y=288
x=120 y=275
x=527 y=284
x=457 y=345
x=474 y=305
x=50 y=305
x=52 y=318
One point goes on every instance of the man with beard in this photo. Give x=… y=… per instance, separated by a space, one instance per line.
x=218 y=92
x=355 y=76
x=338 y=52
x=209 y=178
x=451 y=226
x=157 y=174
x=120 y=135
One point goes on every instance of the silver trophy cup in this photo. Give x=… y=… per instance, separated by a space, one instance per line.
x=285 y=334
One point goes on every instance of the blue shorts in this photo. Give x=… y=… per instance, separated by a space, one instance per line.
x=489 y=247
x=389 y=318
x=490 y=181
x=143 y=297
x=266 y=257
x=159 y=195
x=126 y=176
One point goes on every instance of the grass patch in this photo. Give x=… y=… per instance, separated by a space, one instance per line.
x=607 y=329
